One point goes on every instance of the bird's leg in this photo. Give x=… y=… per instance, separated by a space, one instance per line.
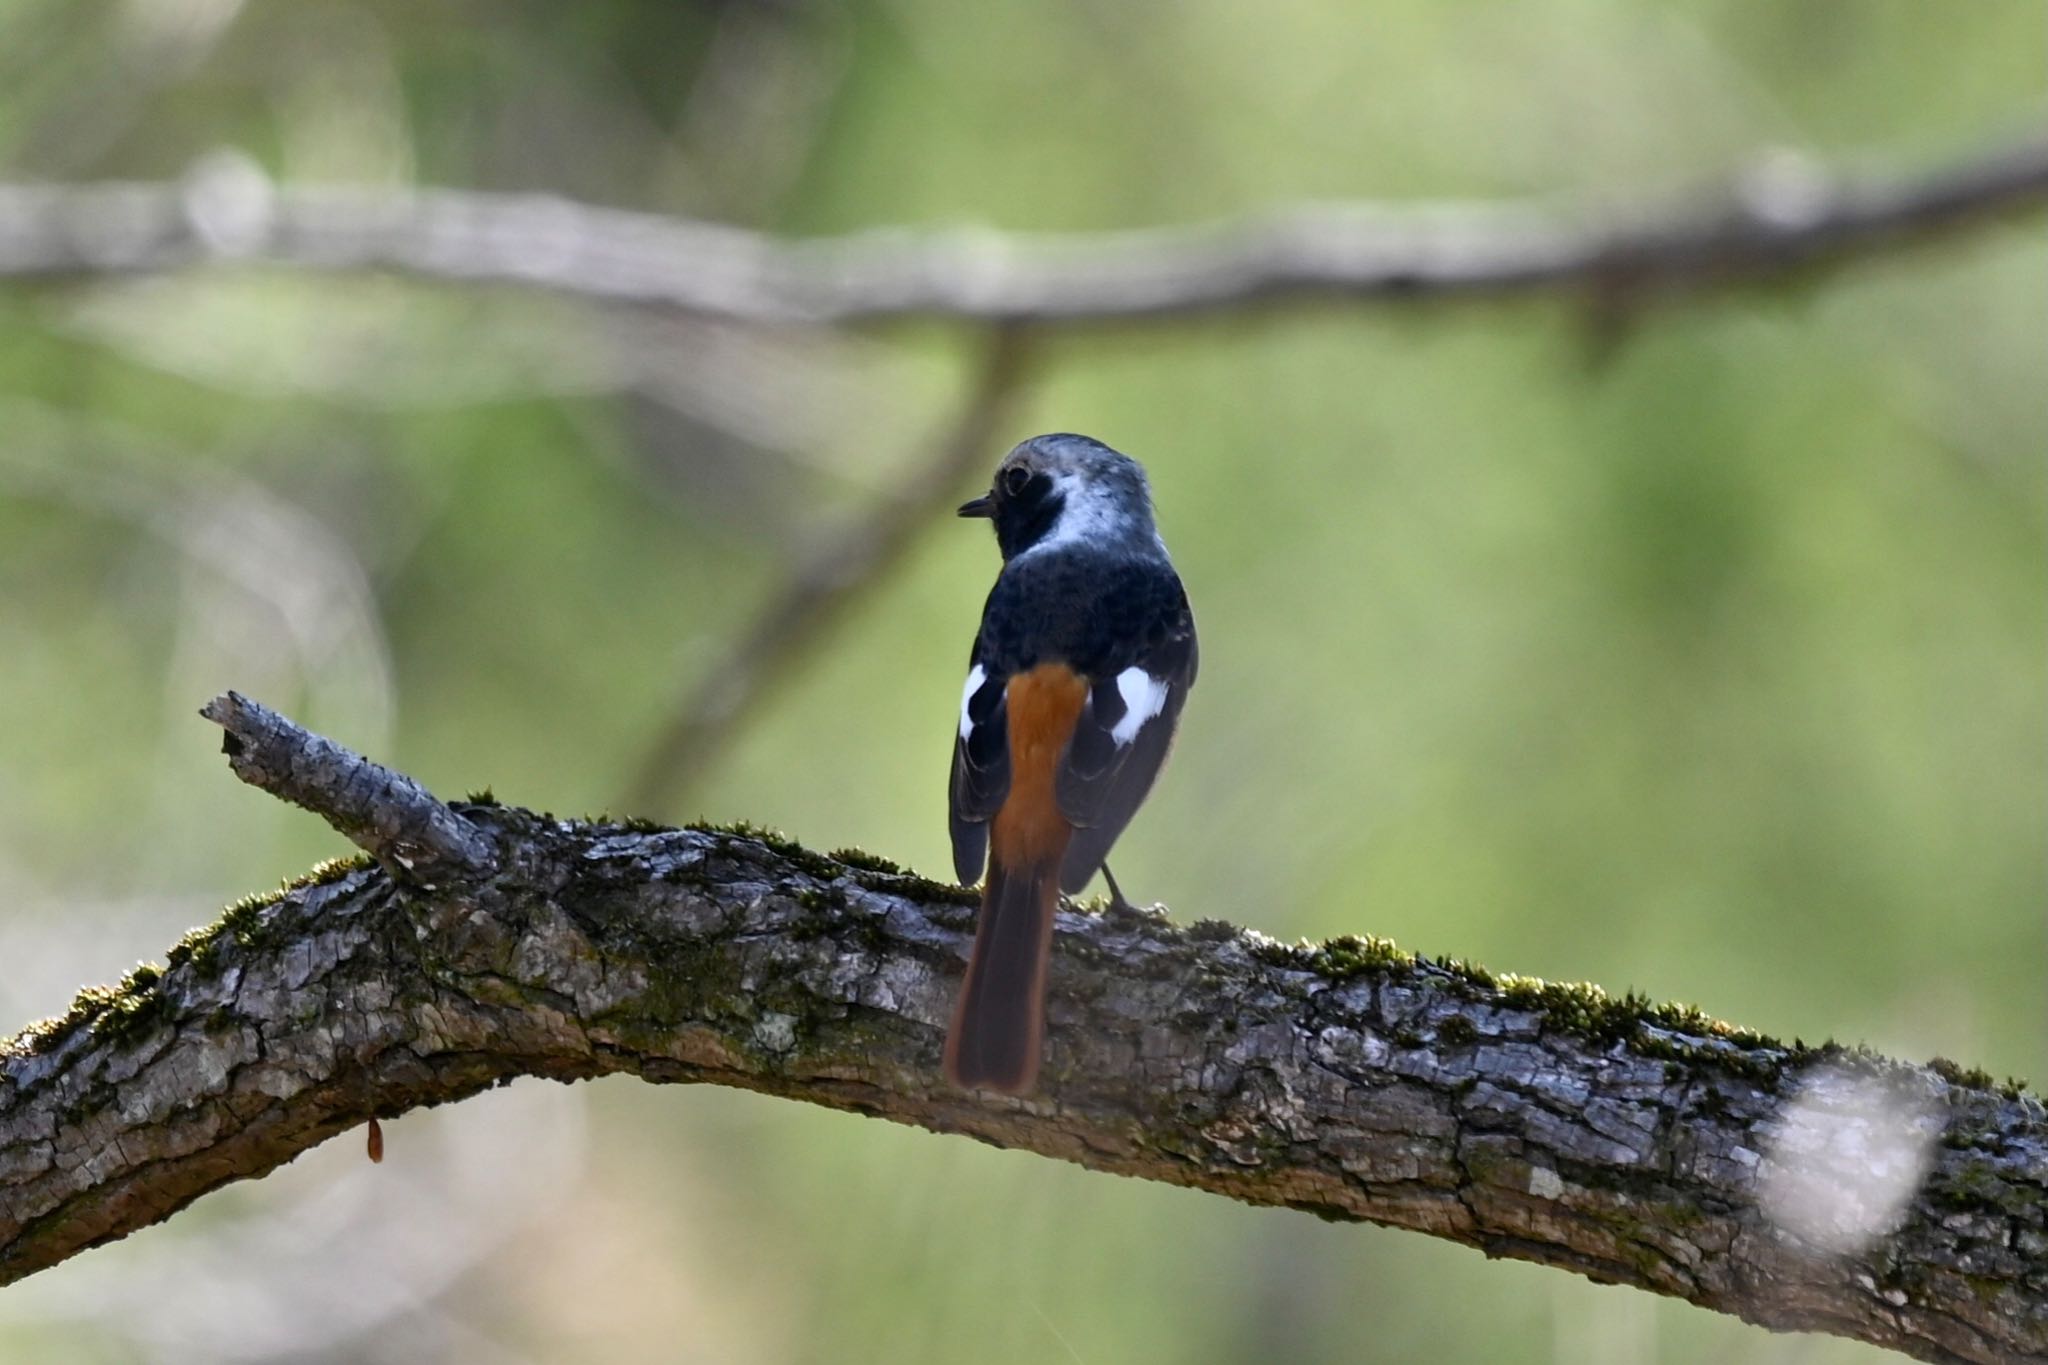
x=1117 y=902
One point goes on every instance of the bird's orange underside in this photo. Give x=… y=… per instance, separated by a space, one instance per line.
x=1043 y=705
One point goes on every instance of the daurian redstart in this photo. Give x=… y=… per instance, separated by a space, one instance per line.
x=1085 y=655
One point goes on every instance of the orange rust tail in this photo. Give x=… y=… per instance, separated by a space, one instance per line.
x=999 y=1022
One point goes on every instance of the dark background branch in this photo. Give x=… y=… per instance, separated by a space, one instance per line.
x=1543 y=1123
x=851 y=562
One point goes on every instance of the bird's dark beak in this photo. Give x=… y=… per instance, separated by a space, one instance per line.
x=983 y=506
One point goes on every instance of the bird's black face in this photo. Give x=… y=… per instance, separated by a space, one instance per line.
x=1024 y=504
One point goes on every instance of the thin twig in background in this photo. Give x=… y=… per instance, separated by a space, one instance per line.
x=1785 y=214
x=845 y=568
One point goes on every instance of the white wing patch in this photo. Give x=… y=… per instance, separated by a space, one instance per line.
x=975 y=678
x=1144 y=697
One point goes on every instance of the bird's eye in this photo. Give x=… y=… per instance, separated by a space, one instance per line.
x=1015 y=479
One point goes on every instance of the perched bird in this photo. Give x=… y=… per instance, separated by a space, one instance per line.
x=1085 y=656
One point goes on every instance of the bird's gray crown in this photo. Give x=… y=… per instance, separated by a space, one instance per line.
x=1097 y=498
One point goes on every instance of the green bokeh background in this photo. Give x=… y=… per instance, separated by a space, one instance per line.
x=1706 y=659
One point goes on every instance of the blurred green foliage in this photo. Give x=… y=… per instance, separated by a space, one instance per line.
x=1708 y=660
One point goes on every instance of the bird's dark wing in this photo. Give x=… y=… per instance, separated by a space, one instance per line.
x=981 y=767
x=1126 y=726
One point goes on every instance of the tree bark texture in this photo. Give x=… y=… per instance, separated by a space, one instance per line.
x=1625 y=1141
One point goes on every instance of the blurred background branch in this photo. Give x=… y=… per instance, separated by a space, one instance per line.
x=1786 y=213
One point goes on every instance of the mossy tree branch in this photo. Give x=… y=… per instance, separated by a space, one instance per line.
x=1551 y=1124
